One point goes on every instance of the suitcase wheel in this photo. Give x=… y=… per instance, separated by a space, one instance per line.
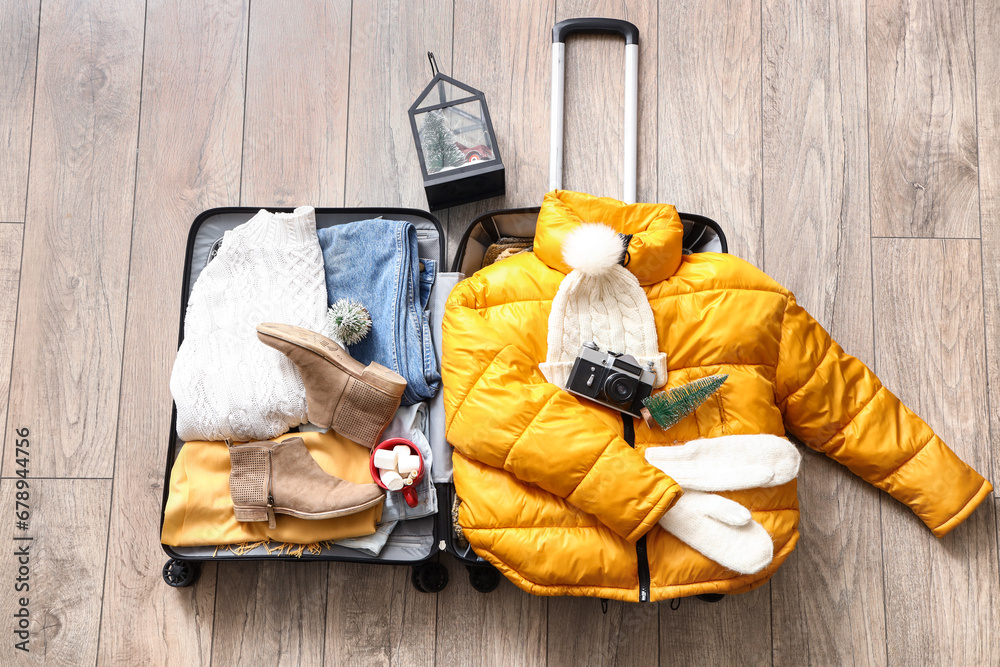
x=180 y=573
x=711 y=597
x=429 y=577
x=484 y=578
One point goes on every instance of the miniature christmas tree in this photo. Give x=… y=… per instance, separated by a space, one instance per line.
x=347 y=322
x=438 y=144
x=669 y=407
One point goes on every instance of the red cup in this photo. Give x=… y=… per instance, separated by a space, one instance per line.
x=409 y=492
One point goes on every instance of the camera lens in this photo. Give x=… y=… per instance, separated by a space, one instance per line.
x=620 y=388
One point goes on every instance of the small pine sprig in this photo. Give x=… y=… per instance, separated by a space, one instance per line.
x=669 y=407
x=347 y=321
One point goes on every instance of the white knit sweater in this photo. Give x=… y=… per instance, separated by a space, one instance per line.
x=225 y=382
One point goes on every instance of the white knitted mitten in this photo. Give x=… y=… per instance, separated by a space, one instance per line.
x=728 y=463
x=721 y=530
x=718 y=528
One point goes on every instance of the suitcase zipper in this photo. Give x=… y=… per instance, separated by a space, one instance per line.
x=640 y=545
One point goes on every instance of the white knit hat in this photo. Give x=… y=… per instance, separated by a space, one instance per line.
x=601 y=301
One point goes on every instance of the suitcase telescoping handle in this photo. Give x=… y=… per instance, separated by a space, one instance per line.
x=631 y=34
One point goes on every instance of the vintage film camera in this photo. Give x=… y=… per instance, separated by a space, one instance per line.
x=614 y=380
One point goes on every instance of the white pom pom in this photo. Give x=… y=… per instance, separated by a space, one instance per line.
x=592 y=248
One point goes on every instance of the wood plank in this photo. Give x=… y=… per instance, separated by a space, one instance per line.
x=709 y=130
x=580 y=633
x=940 y=594
x=68 y=525
x=256 y=626
x=296 y=123
x=988 y=116
x=18 y=51
x=922 y=121
x=389 y=68
x=519 y=36
x=10 y=278
x=734 y=631
x=293 y=155
x=67 y=356
x=189 y=160
x=827 y=600
x=504 y=627
x=374 y=615
x=594 y=101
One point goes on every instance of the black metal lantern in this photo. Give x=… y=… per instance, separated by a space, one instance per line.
x=458 y=152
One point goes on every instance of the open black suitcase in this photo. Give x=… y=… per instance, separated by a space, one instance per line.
x=413 y=542
x=416 y=542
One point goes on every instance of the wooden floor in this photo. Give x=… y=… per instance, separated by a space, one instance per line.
x=851 y=149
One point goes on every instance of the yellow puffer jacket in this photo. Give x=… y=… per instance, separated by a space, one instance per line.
x=554 y=496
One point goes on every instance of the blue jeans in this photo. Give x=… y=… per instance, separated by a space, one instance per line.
x=376 y=262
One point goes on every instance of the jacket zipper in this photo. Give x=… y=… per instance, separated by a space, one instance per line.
x=640 y=545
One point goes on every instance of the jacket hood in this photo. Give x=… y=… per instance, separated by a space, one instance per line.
x=657 y=231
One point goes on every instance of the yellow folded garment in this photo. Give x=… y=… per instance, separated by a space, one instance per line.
x=200 y=510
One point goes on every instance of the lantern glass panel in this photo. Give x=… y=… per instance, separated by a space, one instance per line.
x=442 y=93
x=453 y=136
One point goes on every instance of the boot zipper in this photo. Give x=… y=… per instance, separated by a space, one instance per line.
x=640 y=545
x=270 y=490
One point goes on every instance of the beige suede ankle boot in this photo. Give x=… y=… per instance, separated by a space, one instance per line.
x=357 y=401
x=269 y=478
